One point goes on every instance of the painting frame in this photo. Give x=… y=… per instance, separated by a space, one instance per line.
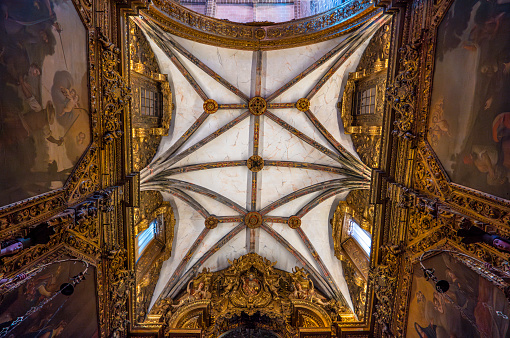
x=101 y=190
x=106 y=125
x=419 y=207
x=467 y=258
x=431 y=177
x=17 y=215
x=66 y=254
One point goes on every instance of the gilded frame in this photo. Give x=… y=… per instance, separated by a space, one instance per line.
x=91 y=214
x=479 y=205
x=84 y=178
x=358 y=81
x=179 y=20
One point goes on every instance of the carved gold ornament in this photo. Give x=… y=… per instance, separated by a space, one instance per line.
x=260 y=33
x=294 y=222
x=181 y=21
x=251 y=286
x=210 y=106
x=211 y=222
x=257 y=105
x=303 y=104
x=255 y=163
x=253 y=220
x=401 y=94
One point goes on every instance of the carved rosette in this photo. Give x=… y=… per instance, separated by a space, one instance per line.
x=294 y=222
x=255 y=163
x=260 y=33
x=253 y=220
x=210 y=106
x=211 y=222
x=303 y=104
x=257 y=105
x=116 y=92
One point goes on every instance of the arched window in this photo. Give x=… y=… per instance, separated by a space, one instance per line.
x=145 y=237
x=361 y=236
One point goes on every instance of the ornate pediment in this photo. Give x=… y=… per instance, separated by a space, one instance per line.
x=251 y=287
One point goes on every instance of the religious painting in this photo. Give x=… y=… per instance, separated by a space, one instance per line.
x=469 y=120
x=251 y=285
x=472 y=306
x=72 y=315
x=44 y=107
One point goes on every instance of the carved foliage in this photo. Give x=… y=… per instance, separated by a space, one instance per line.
x=401 y=94
x=184 y=22
x=251 y=288
x=368 y=147
x=115 y=91
x=384 y=281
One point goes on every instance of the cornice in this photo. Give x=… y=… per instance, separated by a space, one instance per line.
x=187 y=24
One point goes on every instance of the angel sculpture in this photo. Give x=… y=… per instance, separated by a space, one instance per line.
x=192 y=295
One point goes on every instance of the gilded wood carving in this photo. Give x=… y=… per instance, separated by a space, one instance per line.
x=183 y=22
x=423 y=208
x=252 y=288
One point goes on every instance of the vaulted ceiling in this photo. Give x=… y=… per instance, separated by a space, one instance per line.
x=278 y=163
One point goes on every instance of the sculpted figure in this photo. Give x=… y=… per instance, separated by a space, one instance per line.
x=191 y=295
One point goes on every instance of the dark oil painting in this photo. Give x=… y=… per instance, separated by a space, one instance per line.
x=44 y=107
x=469 y=123
x=472 y=306
x=64 y=316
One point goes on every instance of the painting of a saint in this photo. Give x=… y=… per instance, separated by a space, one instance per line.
x=472 y=306
x=64 y=316
x=251 y=285
x=44 y=108
x=469 y=123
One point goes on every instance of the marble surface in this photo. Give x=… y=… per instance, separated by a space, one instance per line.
x=235 y=66
x=293 y=207
x=212 y=237
x=278 y=182
x=279 y=144
x=300 y=121
x=229 y=182
x=285 y=64
x=322 y=239
x=235 y=248
x=275 y=144
x=211 y=205
x=269 y=247
x=189 y=105
x=232 y=145
x=213 y=89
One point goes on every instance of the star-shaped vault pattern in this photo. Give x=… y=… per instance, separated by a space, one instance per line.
x=256 y=158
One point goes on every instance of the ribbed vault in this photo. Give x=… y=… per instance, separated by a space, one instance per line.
x=256 y=156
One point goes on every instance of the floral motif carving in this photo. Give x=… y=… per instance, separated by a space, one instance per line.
x=211 y=222
x=210 y=106
x=116 y=92
x=257 y=105
x=186 y=23
x=368 y=147
x=303 y=104
x=253 y=220
x=294 y=222
x=251 y=286
x=255 y=163
x=401 y=94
